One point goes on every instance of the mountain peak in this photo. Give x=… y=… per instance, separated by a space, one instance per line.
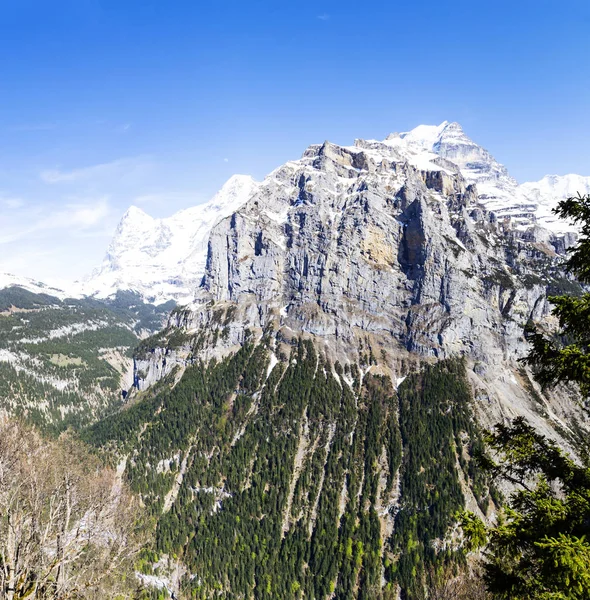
x=452 y=126
x=238 y=179
x=135 y=213
x=423 y=136
x=233 y=193
x=164 y=259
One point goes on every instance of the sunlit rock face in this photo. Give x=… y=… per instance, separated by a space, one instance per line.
x=383 y=239
x=164 y=259
x=385 y=254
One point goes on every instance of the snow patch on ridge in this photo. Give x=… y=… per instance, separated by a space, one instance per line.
x=526 y=205
x=36 y=287
x=164 y=259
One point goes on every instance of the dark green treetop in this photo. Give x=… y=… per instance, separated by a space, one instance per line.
x=539 y=547
x=565 y=357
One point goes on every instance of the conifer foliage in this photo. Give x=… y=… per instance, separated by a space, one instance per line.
x=284 y=482
x=540 y=547
x=565 y=357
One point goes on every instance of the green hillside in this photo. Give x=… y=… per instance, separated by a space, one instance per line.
x=313 y=482
x=66 y=362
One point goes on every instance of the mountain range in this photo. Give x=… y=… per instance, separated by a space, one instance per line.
x=164 y=259
x=306 y=426
x=301 y=419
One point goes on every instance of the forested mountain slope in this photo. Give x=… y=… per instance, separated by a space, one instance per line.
x=66 y=362
x=306 y=427
x=302 y=479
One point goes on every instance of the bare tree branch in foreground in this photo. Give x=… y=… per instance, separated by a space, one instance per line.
x=68 y=528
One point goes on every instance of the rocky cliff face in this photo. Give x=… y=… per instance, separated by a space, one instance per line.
x=355 y=314
x=164 y=259
x=349 y=242
x=385 y=256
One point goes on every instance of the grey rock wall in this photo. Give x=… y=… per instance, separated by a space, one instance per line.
x=382 y=263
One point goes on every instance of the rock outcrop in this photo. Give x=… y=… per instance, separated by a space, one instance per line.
x=350 y=242
x=164 y=259
x=384 y=257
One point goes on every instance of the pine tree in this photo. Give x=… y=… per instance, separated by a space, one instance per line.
x=540 y=546
x=565 y=356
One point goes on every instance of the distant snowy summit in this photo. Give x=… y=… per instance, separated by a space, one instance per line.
x=165 y=259
x=8 y=280
x=526 y=205
x=545 y=194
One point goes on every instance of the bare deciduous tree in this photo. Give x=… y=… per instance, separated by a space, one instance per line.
x=465 y=583
x=68 y=527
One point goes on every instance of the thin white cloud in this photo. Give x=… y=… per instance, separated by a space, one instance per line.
x=115 y=168
x=73 y=218
x=74 y=207
x=226 y=160
x=82 y=215
x=324 y=17
x=11 y=203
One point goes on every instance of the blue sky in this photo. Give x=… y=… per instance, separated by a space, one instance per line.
x=107 y=103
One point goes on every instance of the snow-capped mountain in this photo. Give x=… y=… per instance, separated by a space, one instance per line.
x=494 y=184
x=164 y=259
x=546 y=192
x=36 y=287
x=526 y=205
x=347 y=270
